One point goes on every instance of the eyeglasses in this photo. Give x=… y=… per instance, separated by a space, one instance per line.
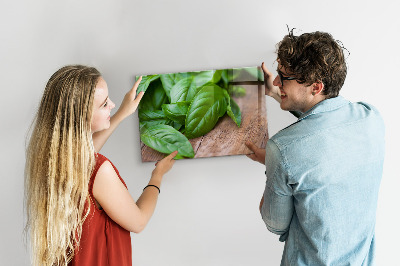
x=282 y=78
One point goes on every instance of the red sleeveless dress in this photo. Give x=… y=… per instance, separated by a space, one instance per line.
x=103 y=241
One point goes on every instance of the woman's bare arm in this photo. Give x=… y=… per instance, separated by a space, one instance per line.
x=119 y=205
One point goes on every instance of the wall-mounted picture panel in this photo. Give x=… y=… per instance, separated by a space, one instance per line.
x=202 y=113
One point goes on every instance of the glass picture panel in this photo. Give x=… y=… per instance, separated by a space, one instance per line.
x=202 y=113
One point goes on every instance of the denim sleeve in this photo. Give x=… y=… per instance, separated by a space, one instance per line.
x=277 y=209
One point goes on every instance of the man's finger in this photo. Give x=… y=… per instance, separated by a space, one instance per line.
x=265 y=69
x=251 y=146
x=251 y=156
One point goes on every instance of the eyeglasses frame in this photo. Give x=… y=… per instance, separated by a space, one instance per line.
x=282 y=78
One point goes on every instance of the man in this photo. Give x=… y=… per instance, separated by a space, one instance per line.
x=323 y=171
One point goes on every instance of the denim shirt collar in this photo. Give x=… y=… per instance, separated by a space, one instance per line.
x=325 y=106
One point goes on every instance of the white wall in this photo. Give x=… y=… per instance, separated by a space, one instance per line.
x=208 y=208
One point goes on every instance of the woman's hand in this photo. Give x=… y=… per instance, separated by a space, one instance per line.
x=270 y=89
x=258 y=154
x=128 y=107
x=131 y=101
x=163 y=166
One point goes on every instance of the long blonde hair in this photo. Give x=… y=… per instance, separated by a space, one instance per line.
x=59 y=162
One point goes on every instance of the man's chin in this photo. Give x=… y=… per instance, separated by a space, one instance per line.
x=285 y=108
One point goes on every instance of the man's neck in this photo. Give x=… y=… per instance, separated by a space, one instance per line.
x=316 y=100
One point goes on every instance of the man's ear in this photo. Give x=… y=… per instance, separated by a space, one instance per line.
x=317 y=88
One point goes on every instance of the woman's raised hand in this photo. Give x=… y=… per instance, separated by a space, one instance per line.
x=131 y=100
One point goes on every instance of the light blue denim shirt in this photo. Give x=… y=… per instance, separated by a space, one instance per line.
x=323 y=175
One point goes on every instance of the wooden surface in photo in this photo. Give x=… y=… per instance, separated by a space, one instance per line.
x=227 y=138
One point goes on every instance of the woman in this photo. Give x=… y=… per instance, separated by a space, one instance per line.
x=78 y=207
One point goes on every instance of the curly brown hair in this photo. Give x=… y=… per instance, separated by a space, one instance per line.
x=314 y=57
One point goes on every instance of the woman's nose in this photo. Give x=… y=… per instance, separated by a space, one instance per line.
x=112 y=105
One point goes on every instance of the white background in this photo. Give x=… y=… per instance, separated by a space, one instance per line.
x=208 y=208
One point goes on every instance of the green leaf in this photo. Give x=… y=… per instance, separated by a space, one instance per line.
x=234 y=112
x=233 y=109
x=177 y=125
x=207 y=106
x=146 y=124
x=202 y=77
x=182 y=75
x=180 y=90
x=146 y=80
x=193 y=90
x=217 y=76
x=225 y=78
x=255 y=73
x=236 y=91
x=169 y=80
x=176 y=111
x=159 y=96
x=146 y=115
x=154 y=97
x=178 y=157
x=167 y=139
x=148 y=118
x=199 y=79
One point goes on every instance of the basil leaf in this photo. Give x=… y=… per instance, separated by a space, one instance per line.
x=146 y=80
x=176 y=125
x=217 y=76
x=179 y=90
x=168 y=81
x=236 y=91
x=159 y=96
x=167 y=139
x=207 y=106
x=178 y=157
x=193 y=90
x=233 y=109
x=182 y=75
x=176 y=111
x=254 y=73
x=199 y=80
x=145 y=115
x=154 y=97
x=146 y=124
x=224 y=78
x=148 y=118
x=230 y=75
x=202 y=77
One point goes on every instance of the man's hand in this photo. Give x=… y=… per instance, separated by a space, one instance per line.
x=270 y=89
x=258 y=155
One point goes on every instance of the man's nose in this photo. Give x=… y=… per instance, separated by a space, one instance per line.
x=277 y=81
